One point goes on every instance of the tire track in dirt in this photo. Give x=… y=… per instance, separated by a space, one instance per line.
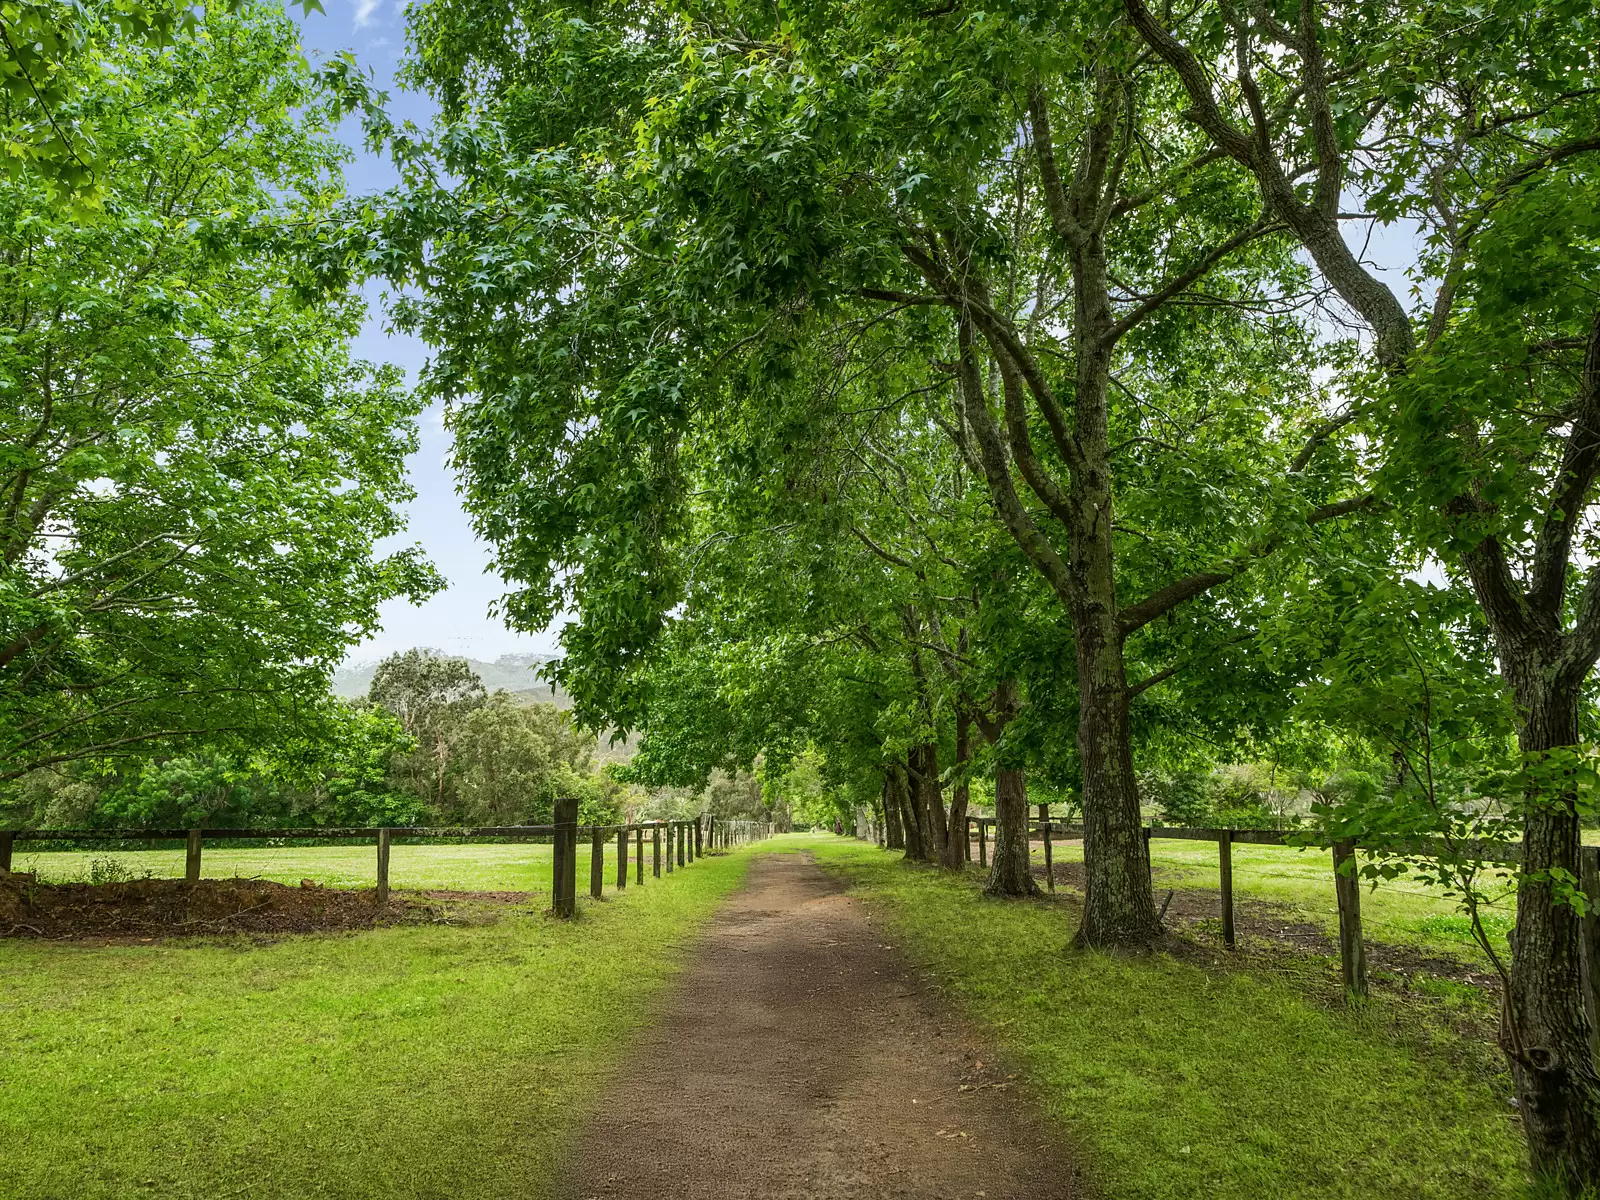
x=798 y=1057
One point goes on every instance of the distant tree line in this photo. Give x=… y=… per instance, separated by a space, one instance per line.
x=428 y=745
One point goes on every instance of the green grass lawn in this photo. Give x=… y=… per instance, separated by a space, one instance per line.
x=1179 y=1081
x=1403 y=911
x=404 y=1062
x=503 y=867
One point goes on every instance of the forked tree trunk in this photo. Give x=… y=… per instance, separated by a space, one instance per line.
x=911 y=818
x=1544 y=1029
x=928 y=800
x=893 y=830
x=1011 y=868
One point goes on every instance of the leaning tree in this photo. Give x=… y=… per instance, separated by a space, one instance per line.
x=1480 y=127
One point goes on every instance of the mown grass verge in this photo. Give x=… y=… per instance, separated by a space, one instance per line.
x=404 y=1062
x=1177 y=1079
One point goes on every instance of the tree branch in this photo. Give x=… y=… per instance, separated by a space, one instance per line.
x=1062 y=218
x=1183 y=664
x=1138 y=615
x=991 y=455
x=886 y=555
x=1182 y=281
x=1580 y=460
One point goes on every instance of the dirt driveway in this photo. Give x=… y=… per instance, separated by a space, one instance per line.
x=799 y=1057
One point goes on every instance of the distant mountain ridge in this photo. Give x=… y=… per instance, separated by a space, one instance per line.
x=511 y=672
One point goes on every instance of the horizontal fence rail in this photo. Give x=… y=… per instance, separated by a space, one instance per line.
x=1347 y=886
x=319 y=833
x=689 y=839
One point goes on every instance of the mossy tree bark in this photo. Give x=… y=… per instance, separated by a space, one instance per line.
x=1544 y=1028
x=1011 y=868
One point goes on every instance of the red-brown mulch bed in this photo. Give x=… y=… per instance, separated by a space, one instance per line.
x=151 y=908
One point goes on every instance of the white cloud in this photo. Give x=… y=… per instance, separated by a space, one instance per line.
x=364 y=11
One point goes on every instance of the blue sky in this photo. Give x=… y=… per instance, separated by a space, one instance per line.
x=457 y=620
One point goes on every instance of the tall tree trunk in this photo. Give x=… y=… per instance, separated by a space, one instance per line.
x=1544 y=1029
x=930 y=801
x=957 y=848
x=911 y=814
x=1011 y=868
x=893 y=808
x=1118 y=907
x=923 y=760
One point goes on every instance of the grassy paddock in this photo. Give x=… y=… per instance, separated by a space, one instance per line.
x=1178 y=1081
x=1402 y=912
x=509 y=866
x=404 y=1062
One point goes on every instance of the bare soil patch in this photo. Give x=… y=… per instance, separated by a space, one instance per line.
x=1265 y=928
x=147 y=909
x=801 y=1057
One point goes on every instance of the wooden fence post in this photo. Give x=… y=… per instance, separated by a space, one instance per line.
x=564 y=873
x=1049 y=858
x=622 y=857
x=1589 y=956
x=638 y=854
x=7 y=840
x=1225 y=865
x=191 y=858
x=383 y=866
x=683 y=828
x=1352 y=951
x=670 y=828
x=597 y=862
x=655 y=851
x=983 y=843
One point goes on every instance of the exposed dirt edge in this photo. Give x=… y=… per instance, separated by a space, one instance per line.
x=150 y=909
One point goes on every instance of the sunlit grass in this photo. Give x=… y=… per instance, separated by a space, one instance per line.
x=1177 y=1081
x=398 y=1063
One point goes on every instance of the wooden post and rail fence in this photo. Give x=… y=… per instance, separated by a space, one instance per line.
x=1346 y=884
x=690 y=837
